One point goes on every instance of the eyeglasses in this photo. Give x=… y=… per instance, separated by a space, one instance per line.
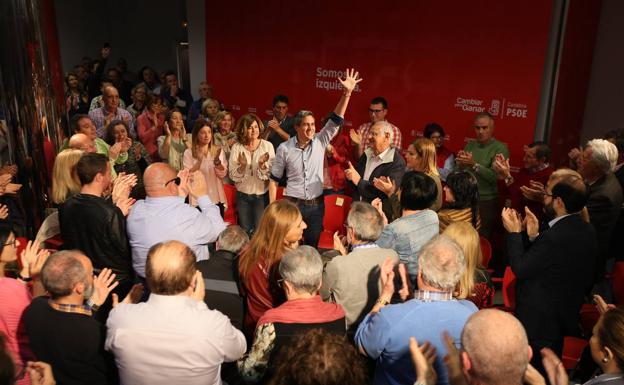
x=374 y=111
x=280 y=283
x=11 y=242
x=478 y=127
x=175 y=180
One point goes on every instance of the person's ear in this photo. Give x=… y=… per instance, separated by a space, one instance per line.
x=608 y=353
x=79 y=288
x=530 y=353
x=465 y=363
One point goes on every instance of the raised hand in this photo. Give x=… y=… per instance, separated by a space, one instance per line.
x=125 y=204
x=126 y=144
x=535 y=191
x=378 y=205
x=533 y=377
x=352 y=174
x=103 y=284
x=262 y=161
x=532 y=224
x=198 y=186
x=167 y=129
x=464 y=158
x=137 y=153
x=385 y=185
x=452 y=361
x=217 y=157
x=355 y=137
x=557 y=374
x=114 y=151
x=602 y=305
x=404 y=291
x=574 y=155
x=501 y=166
x=4 y=212
x=32 y=259
x=274 y=124
x=386 y=278
x=511 y=220
x=242 y=160
x=350 y=80
x=423 y=357
x=134 y=295
x=183 y=188
x=339 y=245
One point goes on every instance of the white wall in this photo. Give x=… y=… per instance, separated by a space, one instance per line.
x=604 y=108
x=195 y=9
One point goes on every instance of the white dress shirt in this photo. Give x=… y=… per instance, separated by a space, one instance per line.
x=372 y=161
x=171 y=339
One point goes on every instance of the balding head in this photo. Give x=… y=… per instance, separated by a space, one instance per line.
x=82 y=142
x=496 y=349
x=170 y=268
x=110 y=96
x=157 y=180
x=66 y=273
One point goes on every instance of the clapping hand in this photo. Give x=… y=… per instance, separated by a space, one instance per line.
x=574 y=155
x=4 y=211
x=33 y=259
x=242 y=161
x=350 y=80
x=535 y=191
x=167 y=129
x=134 y=295
x=183 y=187
x=555 y=370
x=114 y=151
x=217 y=160
x=531 y=223
x=452 y=361
x=602 y=305
x=339 y=244
x=103 y=284
x=464 y=158
x=274 y=124
x=124 y=204
x=511 y=220
x=40 y=373
x=501 y=166
x=378 y=205
x=385 y=185
x=386 y=278
x=263 y=160
x=355 y=137
x=423 y=357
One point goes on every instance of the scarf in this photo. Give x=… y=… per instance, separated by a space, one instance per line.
x=303 y=311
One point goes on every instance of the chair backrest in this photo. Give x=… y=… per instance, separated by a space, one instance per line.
x=486 y=251
x=617 y=279
x=49 y=228
x=336 y=210
x=509 y=288
x=230 y=213
x=280 y=193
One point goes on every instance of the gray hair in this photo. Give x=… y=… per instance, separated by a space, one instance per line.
x=233 y=238
x=441 y=262
x=303 y=268
x=300 y=115
x=604 y=154
x=385 y=128
x=366 y=222
x=62 y=271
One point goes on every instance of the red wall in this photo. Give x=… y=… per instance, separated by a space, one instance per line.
x=433 y=61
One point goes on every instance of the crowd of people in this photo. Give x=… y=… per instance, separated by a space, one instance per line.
x=153 y=286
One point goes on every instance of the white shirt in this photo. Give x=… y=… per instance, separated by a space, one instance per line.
x=372 y=161
x=253 y=180
x=171 y=340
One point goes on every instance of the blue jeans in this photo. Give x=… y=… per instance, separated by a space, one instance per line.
x=250 y=209
x=313 y=217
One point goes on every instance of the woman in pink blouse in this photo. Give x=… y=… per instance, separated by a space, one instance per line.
x=150 y=125
x=15 y=296
x=205 y=156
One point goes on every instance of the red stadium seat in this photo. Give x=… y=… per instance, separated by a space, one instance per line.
x=486 y=251
x=336 y=210
x=230 y=214
x=280 y=193
x=572 y=350
x=617 y=283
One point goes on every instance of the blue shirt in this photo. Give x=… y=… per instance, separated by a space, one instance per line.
x=304 y=166
x=385 y=336
x=161 y=219
x=407 y=235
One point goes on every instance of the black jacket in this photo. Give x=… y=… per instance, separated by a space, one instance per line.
x=98 y=228
x=552 y=274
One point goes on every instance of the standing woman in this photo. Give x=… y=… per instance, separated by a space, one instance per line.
x=280 y=230
x=65 y=182
x=150 y=125
x=445 y=159
x=250 y=166
x=205 y=156
x=225 y=135
x=421 y=156
x=172 y=145
x=76 y=99
x=138 y=158
x=462 y=200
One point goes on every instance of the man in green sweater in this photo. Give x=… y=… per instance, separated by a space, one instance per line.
x=478 y=157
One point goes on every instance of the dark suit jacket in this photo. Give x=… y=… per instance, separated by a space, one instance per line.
x=553 y=273
x=393 y=167
x=603 y=205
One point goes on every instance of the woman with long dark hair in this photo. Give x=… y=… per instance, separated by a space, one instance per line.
x=462 y=200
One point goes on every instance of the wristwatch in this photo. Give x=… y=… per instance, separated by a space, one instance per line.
x=382 y=302
x=92 y=305
x=23 y=279
x=476 y=167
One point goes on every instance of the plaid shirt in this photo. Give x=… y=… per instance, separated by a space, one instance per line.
x=99 y=119
x=397 y=139
x=68 y=308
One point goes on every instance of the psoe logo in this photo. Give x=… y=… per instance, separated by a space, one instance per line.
x=494 y=107
x=469 y=104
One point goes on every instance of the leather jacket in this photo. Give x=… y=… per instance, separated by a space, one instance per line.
x=98 y=228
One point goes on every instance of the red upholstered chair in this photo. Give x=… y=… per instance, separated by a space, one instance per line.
x=572 y=350
x=486 y=251
x=336 y=210
x=23 y=241
x=280 y=193
x=230 y=214
x=508 y=283
x=617 y=282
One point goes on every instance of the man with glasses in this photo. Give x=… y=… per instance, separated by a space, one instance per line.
x=378 y=110
x=163 y=215
x=478 y=157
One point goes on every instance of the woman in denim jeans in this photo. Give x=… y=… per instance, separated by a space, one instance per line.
x=250 y=167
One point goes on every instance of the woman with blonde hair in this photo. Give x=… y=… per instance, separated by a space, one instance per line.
x=475 y=284
x=210 y=108
x=421 y=156
x=205 y=156
x=225 y=135
x=250 y=168
x=280 y=230
x=65 y=182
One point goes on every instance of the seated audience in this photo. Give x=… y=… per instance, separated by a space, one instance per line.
x=95 y=226
x=536 y=169
x=62 y=330
x=173 y=338
x=281 y=127
x=139 y=96
x=319 y=357
x=163 y=215
x=16 y=294
x=225 y=134
x=475 y=284
x=384 y=334
x=281 y=227
x=205 y=92
x=209 y=110
x=379 y=161
x=172 y=145
x=461 y=196
x=111 y=111
x=352 y=280
x=421 y=156
x=98 y=101
x=150 y=125
x=301 y=272
x=148 y=78
x=418 y=223
x=220 y=274
x=445 y=159
x=555 y=271
x=65 y=182
x=138 y=158
x=174 y=96
x=205 y=156
x=250 y=169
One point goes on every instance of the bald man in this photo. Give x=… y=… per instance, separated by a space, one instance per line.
x=173 y=338
x=86 y=144
x=495 y=349
x=102 y=116
x=163 y=215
